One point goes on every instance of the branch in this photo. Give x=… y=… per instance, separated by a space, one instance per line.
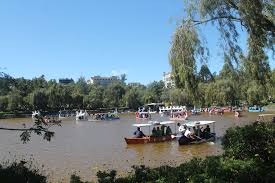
x=198 y=22
x=23 y=129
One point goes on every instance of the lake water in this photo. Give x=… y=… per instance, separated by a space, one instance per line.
x=86 y=147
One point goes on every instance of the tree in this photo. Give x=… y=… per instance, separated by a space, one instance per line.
x=113 y=95
x=94 y=99
x=39 y=99
x=15 y=100
x=133 y=99
x=205 y=75
x=256 y=17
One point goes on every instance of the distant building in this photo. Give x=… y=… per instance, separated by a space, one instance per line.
x=66 y=81
x=103 y=81
x=135 y=84
x=168 y=80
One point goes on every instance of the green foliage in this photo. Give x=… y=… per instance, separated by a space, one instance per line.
x=250 y=78
x=20 y=172
x=252 y=141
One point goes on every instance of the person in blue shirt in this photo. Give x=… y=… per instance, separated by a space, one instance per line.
x=138 y=133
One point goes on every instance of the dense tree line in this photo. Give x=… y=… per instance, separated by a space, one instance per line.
x=19 y=94
x=229 y=87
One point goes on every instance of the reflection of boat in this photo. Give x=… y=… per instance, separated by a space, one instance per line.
x=150 y=139
x=81 y=115
x=183 y=140
x=255 y=109
x=36 y=113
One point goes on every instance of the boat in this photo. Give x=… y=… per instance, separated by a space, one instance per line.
x=105 y=117
x=170 y=109
x=81 y=115
x=196 y=111
x=266 y=118
x=237 y=114
x=35 y=113
x=178 y=116
x=183 y=140
x=149 y=138
x=143 y=114
x=52 y=121
x=255 y=109
x=64 y=114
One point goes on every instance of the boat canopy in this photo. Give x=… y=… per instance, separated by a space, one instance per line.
x=154 y=123
x=142 y=125
x=263 y=115
x=196 y=123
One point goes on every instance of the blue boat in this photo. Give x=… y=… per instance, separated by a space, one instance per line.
x=255 y=109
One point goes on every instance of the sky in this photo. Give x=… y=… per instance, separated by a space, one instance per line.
x=83 y=38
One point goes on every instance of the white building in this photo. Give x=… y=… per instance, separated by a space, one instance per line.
x=168 y=80
x=103 y=81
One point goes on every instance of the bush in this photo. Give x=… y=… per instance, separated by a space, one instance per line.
x=21 y=173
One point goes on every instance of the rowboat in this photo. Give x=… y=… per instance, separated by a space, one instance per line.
x=183 y=140
x=149 y=138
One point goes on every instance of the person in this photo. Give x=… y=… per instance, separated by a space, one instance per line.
x=168 y=131
x=138 y=133
x=195 y=131
x=162 y=130
x=206 y=132
x=154 y=132
x=159 y=132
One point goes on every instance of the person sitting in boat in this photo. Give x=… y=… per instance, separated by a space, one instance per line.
x=154 y=132
x=159 y=132
x=138 y=133
x=162 y=130
x=168 y=131
x=206 y=132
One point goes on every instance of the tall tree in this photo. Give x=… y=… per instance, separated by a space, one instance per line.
x=256 y=17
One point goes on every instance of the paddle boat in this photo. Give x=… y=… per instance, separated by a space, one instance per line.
x=178 y=116
x=35 y=113
x=104 y=117
x=48 y=120
x=81 y=115
x=237 y=114
x=255 y=109
x=201 y=138
x=142 y=114
x=196 y=111
x=266 y=118
x=150 y=138
x=169 y=110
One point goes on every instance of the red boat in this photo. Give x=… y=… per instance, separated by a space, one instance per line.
x=148 y=139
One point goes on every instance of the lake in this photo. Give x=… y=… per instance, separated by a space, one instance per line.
x=86 y=147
